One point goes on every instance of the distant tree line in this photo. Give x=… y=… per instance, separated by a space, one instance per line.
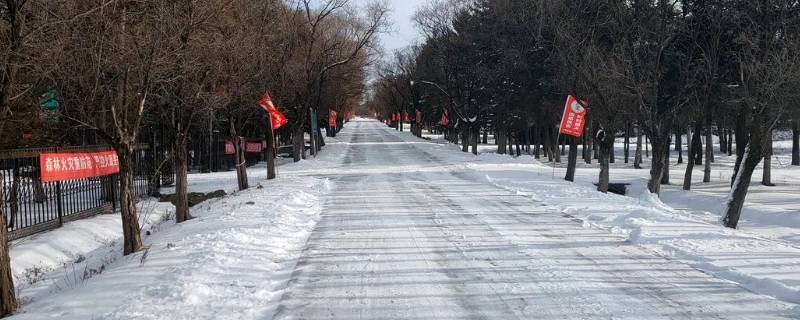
x=123 y=71
x=656 y=69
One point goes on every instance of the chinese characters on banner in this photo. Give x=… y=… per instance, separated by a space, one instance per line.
x=572 y=122
x=69 y=166
x=253 y=147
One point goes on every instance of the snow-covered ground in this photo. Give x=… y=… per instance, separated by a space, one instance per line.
x=78 y=272
x=385 y=225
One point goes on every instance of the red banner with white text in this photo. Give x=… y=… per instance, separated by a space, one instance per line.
x=69 y=166
x=253 y=147
x=572 y=122
x=229 y=148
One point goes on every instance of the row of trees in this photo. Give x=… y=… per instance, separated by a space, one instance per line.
x=652 y=68
x=174 y=68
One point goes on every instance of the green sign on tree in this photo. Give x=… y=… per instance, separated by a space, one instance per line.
x=50 y=99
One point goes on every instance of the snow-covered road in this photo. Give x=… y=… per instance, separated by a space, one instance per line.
x=404 y=235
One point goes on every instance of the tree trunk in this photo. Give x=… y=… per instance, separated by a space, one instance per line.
x=500 y=138
x=627 y=146
x=659 y=145
x=709 y=151
x=485 y=136
x=464 y=138
x=181 y=198
x=693 y=136
x=511 y=141
x=474 y=140
x=602 y=158
x=298 y=143
x=679 y=145
x=665 y=174
x=270 y=137
x=537 y=139
x=132 y=237
x=698 y=147
x=637 y=158
x=741 y=182
x=572 y=159
x=8 y=299
x=723 y=140
x=796 y=143
x=710 y=145
x=241 y=163
x=766 y=178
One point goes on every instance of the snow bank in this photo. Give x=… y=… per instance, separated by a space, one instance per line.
x=64 y=258
x=225 y=263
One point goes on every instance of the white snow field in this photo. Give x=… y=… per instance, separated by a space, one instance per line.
x=387 y=226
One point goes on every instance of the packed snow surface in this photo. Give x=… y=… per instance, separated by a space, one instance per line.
x=383 y=225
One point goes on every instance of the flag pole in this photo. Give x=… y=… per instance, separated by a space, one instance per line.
x=558 y=137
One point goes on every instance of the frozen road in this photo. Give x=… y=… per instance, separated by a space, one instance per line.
x=404 y=237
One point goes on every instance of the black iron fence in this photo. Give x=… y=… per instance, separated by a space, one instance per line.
x=33 y=206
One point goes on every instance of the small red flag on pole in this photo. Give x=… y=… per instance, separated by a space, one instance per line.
x=278 y=118
x=572 y=121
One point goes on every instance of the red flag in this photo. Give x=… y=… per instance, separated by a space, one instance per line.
x=444 y=121
x=572 y=122
x=332 y=115
x=278 y=118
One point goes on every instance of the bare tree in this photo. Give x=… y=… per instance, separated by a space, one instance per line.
x=768 y=68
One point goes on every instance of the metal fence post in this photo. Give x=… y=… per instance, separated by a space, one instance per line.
x=113 y=179
x=59 y=205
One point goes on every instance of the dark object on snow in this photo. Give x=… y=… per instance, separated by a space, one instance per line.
x=195 y=197
x=618 y=188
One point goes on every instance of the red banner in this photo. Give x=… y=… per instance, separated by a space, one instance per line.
x=332 y=115
x=278 y=118
x=69 y=166
x=229 y=148
x=406 y=118
x=253 y=147
x=444 y=121
x=419 y=117
x=572 y=121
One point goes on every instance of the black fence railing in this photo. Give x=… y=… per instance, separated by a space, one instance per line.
x=33 y=206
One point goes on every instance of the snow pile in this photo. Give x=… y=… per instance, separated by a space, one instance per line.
x=226 y=261
x=64 y=258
